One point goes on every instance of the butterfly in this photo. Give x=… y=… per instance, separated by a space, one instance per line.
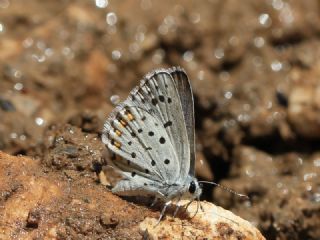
x=153 y=133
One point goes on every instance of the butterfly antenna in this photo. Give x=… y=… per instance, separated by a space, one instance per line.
x=227 y=189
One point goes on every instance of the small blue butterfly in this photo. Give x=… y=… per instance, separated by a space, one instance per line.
x=153 y=133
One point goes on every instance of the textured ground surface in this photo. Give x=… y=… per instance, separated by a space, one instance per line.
x=254 y=67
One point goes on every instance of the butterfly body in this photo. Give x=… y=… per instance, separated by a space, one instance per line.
x=153 y=133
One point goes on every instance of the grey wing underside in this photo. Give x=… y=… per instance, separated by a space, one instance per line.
x=139 y=186
x=186 y=97
x=162 y=104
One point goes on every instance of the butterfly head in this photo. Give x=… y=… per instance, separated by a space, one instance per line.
x=194 y=188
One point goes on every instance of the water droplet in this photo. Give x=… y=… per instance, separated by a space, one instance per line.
x=101 y=3
x=309 y=176
x=234 y=41
x=38 y=58
x=48 y=52
x=17 y=73
x=219 y=53
x=116 y=54
x=257 y=61
x=13 y=135
x=28 y=42
x=265 y=20
x=277 y=4
x=244 y=118
x=286 y=15
x=23 y=137
x=316 y=197
x=258 y=42
x=188 y=56
x=228 y=95
x=316 y=162
x=115 y=99
x=276 y=66
x=41 y=45
x=139 y=37
x=200 y=75
x=111 y=18
x=134 y=47
x=1 y=28
x=66 y=51
x=18 y=86
x=309 y=188
x=163 y=29
x=169 y=20
x=224 y=75
x=71 y=131
x=158 y=56
x=39 y=121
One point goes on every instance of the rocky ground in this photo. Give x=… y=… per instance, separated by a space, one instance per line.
x=254 y=67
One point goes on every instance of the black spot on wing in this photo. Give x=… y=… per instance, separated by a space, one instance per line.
x=161 y=98
x=154 y=101
x=162 y=140
x=167 y=124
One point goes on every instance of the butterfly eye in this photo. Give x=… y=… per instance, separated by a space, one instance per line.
x=192 y=187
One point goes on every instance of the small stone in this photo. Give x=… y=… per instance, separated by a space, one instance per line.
x=220 y=224
x=33 y=219
x=108 y=221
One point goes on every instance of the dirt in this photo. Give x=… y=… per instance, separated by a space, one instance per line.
x=254 y=68
x=41 y=204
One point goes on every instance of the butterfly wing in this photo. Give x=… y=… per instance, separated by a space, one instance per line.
x=186 y=98
x=148 y=131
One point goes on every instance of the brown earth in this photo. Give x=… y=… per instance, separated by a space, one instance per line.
x=254 y=67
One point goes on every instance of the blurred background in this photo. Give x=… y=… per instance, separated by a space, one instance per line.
x=255 y=71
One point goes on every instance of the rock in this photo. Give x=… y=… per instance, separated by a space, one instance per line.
x=212 y=223
x=303 y=110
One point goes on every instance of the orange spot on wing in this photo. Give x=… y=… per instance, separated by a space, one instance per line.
x=117 y=144
x=130 y=116
x=123 y=123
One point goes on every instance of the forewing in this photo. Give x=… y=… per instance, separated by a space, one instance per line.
x=186 y=97
x=170 y=108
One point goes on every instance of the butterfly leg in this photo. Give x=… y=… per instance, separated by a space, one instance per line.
x=201 y=207
x=163 y=211
x=186 y=207
x=198 y=202
x=178 y=207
